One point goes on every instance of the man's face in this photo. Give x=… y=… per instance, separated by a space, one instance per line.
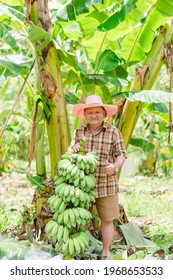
x=95 y=116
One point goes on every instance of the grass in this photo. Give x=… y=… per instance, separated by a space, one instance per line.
x=148 y=202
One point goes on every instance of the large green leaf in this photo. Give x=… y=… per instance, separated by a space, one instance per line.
x=37 y=33
x=101 y=40
x=139 y=41
x=109 y=60
x=148 y=96
x=131 y=20
x=160 y=110
x=12 y=69
x=133 y=236
x=146 y=146
x=13 y=18
x=131 y=50
x=157 y=108
x=108 y=79
x=12 y=250
x=6 y=35
x=90 y=22
x=35 y=180
x=68 y=59
x=118 y=17
x=160 y=14
x=69 y=11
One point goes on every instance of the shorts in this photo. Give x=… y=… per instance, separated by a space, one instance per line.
x=108 y=207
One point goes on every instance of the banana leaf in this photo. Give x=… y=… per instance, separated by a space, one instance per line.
x=133 y=237
x=12 y=250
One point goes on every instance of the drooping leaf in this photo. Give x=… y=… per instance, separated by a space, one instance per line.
x=131 y=50
x=37 y=33
x=89 y=23
x=118 y=16
x=69 y=11
x=109 y=60
x=73 y=31
x=35 y=180
x=160 y=14
x=13 y=69
x=145 y=145
x=108 y=79
x=68 y=58
x=71 y=98
x=161 y=110
x=132 y=20
x=12 y=250
x=134 y=237
x=157 y=108
x=6 y=35
x=148 y=96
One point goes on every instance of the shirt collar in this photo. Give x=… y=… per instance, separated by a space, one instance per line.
x=104 y=127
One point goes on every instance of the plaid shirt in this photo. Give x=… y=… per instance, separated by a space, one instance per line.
x=108 y=143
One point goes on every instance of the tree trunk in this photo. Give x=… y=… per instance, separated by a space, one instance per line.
x=51 y=110
x=144 y=79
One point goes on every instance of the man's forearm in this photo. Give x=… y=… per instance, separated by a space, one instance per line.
x=119 y=161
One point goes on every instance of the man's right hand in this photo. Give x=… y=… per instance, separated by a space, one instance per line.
x=75 y=148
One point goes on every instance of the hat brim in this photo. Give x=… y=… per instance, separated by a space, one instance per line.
x=78 y=109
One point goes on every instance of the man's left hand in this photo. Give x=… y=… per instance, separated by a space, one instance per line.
x=110 y=168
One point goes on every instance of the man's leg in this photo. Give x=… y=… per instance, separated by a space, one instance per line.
x=108 y=210
x=108 y=232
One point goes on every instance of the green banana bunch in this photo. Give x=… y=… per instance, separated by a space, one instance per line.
x=74 y=195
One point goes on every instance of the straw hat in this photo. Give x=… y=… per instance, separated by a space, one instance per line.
x=93 y=101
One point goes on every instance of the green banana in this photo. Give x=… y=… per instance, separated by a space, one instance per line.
x=65 y=234
x=71 y=247
x=59 y=180
x=72 y=191
x=76 y=245
x=54 y=231
x=60 y=233
x=85 y=239
x=57 y=204
x=62 y=163
x=62 y=207
x=59 y=187
x=66 y=217
x=58 y=246
x=49 y=226
x=55 y=216
x=71 y=215
x=74 y=170
x=60 y=218
x=76 y=182
x=67 y=190
x=61 y=192
x=67 y=155
x=81 y=243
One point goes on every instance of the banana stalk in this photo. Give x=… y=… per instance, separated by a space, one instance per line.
x=144 y=80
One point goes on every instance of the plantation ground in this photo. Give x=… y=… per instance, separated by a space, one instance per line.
x=147 y=202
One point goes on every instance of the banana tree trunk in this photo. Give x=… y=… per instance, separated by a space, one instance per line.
x=144 y=79
x=49 y=79
x=51 y=112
